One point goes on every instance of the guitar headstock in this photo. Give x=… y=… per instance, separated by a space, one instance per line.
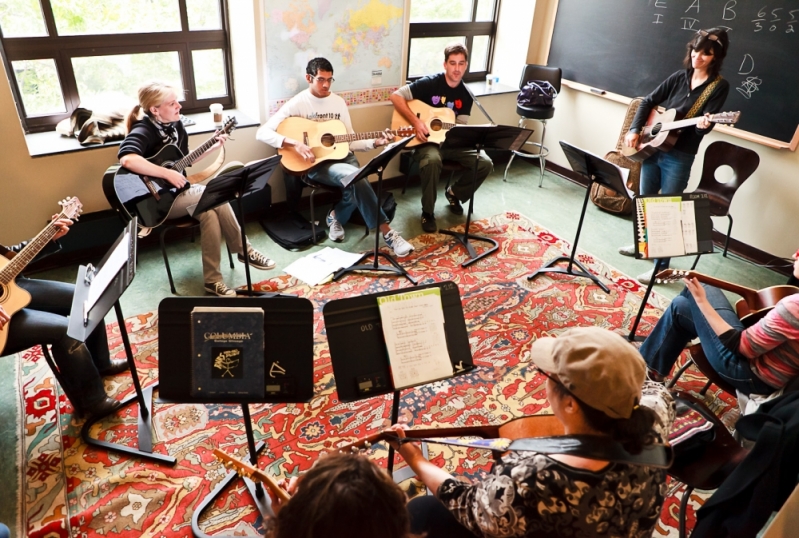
x=669 y=276
x=725 y=117
x=405 y=131
x=70 y=208
x=230 y=124
x=234 y=464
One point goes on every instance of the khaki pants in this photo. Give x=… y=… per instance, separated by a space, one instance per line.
x=430 y=157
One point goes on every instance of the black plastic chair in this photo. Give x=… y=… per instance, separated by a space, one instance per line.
x=315 y=186
x=743 y=162
x=540 y=113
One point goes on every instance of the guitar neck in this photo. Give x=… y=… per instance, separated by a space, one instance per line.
x=189 y=159
x=679 y=124
x=364 y=136
x=750 y=295
x=26 y=255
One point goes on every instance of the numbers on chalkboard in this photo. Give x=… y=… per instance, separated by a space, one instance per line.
x=791 y=21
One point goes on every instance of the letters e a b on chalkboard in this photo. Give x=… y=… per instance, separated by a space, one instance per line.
x=628 y=47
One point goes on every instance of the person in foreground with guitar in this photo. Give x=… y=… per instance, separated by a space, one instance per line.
x=697 y=90
x=594 y=381
x=43 y=321
x=318 y=103
x=759 y=359
x=444 y=90
x=153 y=124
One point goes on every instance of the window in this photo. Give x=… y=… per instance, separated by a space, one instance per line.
x=59 y=53
x=434 y=25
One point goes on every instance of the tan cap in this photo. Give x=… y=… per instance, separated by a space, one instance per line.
x=600 y=367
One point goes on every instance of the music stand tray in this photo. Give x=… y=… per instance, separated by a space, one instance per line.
x=235 y=185
x=85 y=317
x=376 y=166
x=478 y=137
x=288 y=368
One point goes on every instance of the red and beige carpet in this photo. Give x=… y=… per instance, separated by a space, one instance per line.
x=69 y=489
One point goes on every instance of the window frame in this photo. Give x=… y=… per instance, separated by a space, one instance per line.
x=62 y=49
x=468 y=29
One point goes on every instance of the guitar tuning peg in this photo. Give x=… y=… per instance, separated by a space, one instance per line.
x=367 y=445
x=354 y=449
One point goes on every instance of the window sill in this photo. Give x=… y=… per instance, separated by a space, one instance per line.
x=52 y=143
x=479 y=88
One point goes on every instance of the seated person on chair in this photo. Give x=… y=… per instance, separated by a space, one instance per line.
x=154 y=123
x=756 y=360
x=594 y=386
x=696 y=90
x=318 y=103
x=44 y=322
x=443 y=90
x=341 y=496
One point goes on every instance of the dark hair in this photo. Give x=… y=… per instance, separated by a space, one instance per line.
x=456 y=48
x=633 y=433
x=345 y=496
x=318 y=64
x=715 y=40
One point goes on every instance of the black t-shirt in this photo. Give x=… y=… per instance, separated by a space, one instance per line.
x=144 y=139
x=434 y=91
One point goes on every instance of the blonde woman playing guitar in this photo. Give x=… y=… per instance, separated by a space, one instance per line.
x=695 y=91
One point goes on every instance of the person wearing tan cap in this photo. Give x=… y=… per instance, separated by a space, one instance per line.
x=594 y=386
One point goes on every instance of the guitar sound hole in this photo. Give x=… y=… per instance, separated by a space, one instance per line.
x=3 y=293
x=435 y=125
x=656 y=129
x=328 y=140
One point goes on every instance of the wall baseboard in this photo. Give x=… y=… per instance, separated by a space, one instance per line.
x=739 y=248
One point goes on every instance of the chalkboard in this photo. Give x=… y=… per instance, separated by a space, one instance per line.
x=628 y=47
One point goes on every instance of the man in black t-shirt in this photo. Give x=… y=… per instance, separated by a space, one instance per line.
x=443 y=90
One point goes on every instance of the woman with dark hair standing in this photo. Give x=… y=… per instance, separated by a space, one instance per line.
x=342 y=496
x=154 y=123
x=697 y=90
x=594 y=386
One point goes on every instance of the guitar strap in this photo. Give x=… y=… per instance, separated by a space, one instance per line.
x=703 y=98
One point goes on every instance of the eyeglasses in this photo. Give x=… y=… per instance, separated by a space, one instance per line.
x=545 y=374
x=712 y=37
x=322 y=80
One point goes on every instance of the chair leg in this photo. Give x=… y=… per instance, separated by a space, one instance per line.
x=684 y=508
x=542 y=153
x=679 y=374
x=704 y=389
x=512 y=156
x=727 y=240
x=166 y=262
x=313 y=218
x=230 y=255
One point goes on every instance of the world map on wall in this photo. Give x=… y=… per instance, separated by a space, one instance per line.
x=359 y=37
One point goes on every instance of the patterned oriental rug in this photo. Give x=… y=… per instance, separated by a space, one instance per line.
x=69 y=489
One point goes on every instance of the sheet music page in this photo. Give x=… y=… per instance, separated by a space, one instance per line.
x=413 y=326
x=689 y=238
x=663 y=227
x=107 y=272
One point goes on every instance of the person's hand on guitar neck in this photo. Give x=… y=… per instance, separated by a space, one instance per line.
x=4 y=318
x=62 y=225
x=290 y=487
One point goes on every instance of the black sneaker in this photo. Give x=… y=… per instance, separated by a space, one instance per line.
x=429 y=223
x=454 y=204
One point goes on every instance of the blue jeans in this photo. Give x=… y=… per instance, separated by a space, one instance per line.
x=665 y=173
x=355 y=195
x=682 y=322
x=4 y=532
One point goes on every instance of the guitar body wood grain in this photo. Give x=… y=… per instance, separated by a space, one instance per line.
x=437 y=119
x=319 y=136
x=12 y=299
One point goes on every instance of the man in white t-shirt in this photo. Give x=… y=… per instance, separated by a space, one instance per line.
x=318 y=103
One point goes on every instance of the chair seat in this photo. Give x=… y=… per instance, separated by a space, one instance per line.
x=536 y=112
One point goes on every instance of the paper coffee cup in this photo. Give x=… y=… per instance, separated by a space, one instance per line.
x=216 y=110
x=489 y=81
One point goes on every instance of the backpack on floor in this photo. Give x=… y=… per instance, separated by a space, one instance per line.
x=292 y=231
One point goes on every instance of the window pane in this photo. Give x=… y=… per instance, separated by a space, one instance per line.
x=448 y=11
x=427 y=54
x=209 y=73
x=87 y=17
x=22 y=18
x=479 y=54
x=204 y=14
x=485 y=10
x=38 y=83
x=113 y=81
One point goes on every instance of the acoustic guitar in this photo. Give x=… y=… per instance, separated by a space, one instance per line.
x=438 y=120
x=329 y=140
x=753 y=305
x=151 y=198
x=248 y=471
x=12 y=297
x=661 y=132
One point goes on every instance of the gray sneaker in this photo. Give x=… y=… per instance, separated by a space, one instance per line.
x=627 y=251
x=396 y=243
x=336 y=230
x=219 y=288
x=646 y=278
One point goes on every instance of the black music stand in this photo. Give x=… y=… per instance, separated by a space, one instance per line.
x=358 y=349
x=479 y=137
x=704 y=231
x=234 y=186
x=288 y=352
x=85 y=318
x=594 y=169
x=376 y=166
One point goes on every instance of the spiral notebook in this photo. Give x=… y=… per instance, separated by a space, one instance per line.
x=672 y=225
